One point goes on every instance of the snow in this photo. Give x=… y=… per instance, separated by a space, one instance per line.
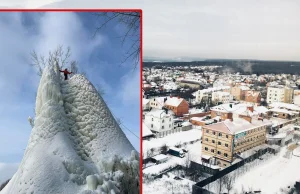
x=74 y=136
x=173 y=139
x=268 y=175
x=146 y=131
x=174 y=101
x=160 y=157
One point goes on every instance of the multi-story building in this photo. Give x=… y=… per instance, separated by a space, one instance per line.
x=200 y=94
x=253 y=97
x=239 y=92
x=279 y=93
x=223 y=141
x=297 y=97
x=160 y=122
x=221 y=97
x=157 y=102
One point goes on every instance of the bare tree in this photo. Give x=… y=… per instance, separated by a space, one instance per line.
x=228 y=181
x=131 y=20
x=164 y=149
x=58 y=55
x=187 y=162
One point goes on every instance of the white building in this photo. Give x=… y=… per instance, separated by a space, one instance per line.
x=279 y=93
x=297 y=97
x=157 y=102
x=205 y=92
x=160 y=121
x=146 y=104
x=223 y=97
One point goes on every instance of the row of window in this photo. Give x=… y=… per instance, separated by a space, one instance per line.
x=219 y=134
x=248 y=140
x=255 y=130
x=219 y=143
x=162 y=120
x=218 y=152
x=162 y=127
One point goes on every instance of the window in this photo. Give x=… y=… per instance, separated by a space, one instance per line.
x=206 y=139
x=224 y=164
x=170 y=119
x=213 y=141
x=219 y=143
x=151 y=125
x=227 y=136
x=219 y=152
x=212 y=150
x=152 y=119
x=169 y=125
x=207 y=131
x=206 y=148
x=163 y=127
x=226 y=155
x=163 y=121
x=220 y=134
x=214 y=133
x=226 y=145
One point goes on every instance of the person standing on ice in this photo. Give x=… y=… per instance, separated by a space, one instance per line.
x=66 y=72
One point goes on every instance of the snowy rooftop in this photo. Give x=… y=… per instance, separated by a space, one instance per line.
x=160 y=157
x=146 y=131
x=174 y=101
x=285 y=105
x=237 y=125
x=158 y=113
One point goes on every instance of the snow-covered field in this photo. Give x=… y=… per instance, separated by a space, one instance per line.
x=268 y=175
x=173 y=139
x=167 y=184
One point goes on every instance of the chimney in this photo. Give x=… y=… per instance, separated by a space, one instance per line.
x=250 y=108
x=229 y=116
x=171 y=96
x=178 y=97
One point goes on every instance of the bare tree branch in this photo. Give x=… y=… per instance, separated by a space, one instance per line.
x=131 y=20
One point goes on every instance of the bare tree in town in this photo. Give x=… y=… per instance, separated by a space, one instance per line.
x=228 y=181
x=164 y=149
x=187 y=162
x=59 y=55
x=131 y=20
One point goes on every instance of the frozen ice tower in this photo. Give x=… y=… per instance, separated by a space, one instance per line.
x=75 y=146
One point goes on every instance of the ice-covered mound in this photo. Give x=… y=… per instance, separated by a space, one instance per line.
x=75 y=140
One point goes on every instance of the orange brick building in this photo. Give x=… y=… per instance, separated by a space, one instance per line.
x=178 y=105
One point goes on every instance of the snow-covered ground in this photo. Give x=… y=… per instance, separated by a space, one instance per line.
x=167 y=184
x=173 y=139
x=73 y=143
x=268 y=175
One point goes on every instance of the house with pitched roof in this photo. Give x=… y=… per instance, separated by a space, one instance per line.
x=178 y=105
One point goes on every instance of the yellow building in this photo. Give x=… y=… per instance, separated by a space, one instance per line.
x=223 y=140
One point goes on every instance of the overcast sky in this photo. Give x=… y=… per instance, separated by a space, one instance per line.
x=253 y=29
x=100 y=57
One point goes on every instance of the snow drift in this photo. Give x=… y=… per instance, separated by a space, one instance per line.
x=75 y=146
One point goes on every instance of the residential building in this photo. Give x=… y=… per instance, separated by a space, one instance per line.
x=226 y=140
x=221 y=97
x=160 y=122
x=239 y=91
x=279 y=93
x=157 y=102
x=178 y=105
x=297 y=97
x=253 y=97
x=146 y=104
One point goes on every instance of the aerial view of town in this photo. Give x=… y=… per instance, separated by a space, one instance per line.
x=221 y=126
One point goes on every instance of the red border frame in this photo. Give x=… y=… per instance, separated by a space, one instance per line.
x=141 y=59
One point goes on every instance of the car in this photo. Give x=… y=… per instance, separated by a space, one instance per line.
x=185 y=150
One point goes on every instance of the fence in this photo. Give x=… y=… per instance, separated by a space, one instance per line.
x=198 y=187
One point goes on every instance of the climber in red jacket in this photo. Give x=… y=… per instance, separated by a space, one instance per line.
x=66 y=72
